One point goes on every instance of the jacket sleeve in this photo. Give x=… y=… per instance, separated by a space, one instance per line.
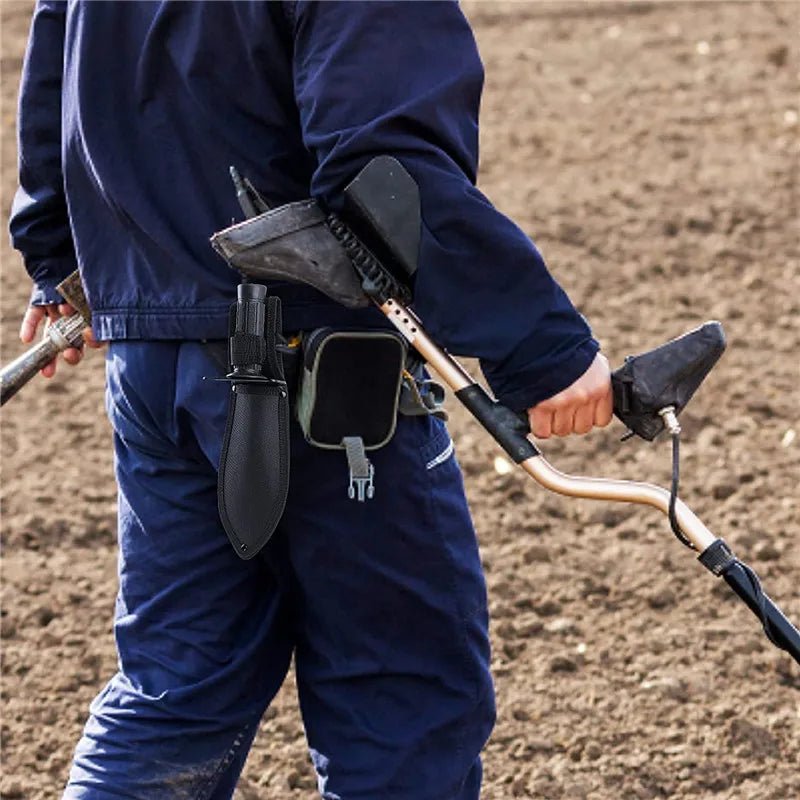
x=39 y=222
x=405 y=79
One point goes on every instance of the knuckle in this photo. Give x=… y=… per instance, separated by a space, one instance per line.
x=582 y=396
x=541 y=427
x=561 y=401
x=599 y=390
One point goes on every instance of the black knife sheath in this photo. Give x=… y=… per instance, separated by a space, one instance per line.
x=254 y=467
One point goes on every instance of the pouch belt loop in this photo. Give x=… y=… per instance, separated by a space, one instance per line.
x=421 y=397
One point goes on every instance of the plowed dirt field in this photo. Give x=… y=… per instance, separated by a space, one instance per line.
x=651 y=149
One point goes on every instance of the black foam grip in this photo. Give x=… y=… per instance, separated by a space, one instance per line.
x=254 y=468
x=247 y=349
x=509 y=430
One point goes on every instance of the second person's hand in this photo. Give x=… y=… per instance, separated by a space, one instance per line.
x=30 y=325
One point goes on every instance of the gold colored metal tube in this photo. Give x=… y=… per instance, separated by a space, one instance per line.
x=407 y=322
x=619 y=491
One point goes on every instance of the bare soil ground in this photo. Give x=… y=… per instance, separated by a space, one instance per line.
x=651 y=149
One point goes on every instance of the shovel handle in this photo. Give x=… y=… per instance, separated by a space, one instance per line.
x=63 y=333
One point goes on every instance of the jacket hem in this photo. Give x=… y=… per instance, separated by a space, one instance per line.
x=211 y=322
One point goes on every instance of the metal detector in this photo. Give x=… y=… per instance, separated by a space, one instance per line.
x=380 y=239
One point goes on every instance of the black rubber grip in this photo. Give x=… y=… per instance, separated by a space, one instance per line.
x=509 y=430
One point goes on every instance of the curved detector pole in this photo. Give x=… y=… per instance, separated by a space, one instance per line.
x=457 y=378
x=512 y=434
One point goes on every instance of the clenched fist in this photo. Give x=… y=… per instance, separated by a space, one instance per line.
x=585 y=404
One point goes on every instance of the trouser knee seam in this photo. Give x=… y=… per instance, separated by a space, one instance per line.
x=206 y=791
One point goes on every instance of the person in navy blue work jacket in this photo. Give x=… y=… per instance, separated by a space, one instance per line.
x=130 y=114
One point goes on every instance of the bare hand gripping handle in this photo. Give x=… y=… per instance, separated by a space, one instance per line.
x=65 y=332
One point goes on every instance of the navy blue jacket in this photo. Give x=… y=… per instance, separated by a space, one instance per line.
x=131 y=112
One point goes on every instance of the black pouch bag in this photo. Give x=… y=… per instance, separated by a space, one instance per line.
x=254 y=467
x=349 y=394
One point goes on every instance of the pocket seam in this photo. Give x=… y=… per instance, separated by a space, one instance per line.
x=435 y=444
x=442 y=457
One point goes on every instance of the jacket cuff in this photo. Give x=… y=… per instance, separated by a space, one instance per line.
x=47 y=274
x=44 y=293
x=525 y=389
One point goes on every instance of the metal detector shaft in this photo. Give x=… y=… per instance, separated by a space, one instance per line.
x=533 y=462
x=511 y=433
x=776 y=625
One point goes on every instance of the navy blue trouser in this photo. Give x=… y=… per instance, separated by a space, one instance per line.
x=382 y=603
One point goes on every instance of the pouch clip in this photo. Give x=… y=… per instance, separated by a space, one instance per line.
x=362 y=472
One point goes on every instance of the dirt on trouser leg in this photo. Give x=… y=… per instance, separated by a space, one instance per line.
x=651 y=150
